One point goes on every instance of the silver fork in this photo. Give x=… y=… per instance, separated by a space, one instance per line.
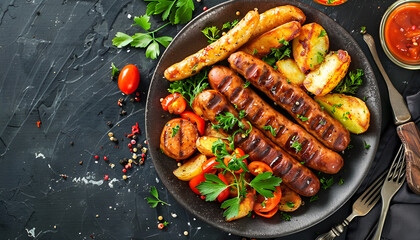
x=361 y=207
x=393 y=182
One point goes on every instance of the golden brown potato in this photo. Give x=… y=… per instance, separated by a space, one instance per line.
x=324 y=79
x=262 y=45
x=352 y=112
x=205 y=143
x=278 y=16
x=246 y=206
x=178 y=138
x=310 y=47
x=291 y=71
x=190 y=168
x=216 y=51
x=290 y=201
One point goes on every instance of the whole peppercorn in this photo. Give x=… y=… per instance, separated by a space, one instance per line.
x=124 y=177
x=123 y=112
x=160 y=218
x=160 y=226
x=109 y=123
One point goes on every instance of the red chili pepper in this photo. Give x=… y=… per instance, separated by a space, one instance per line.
x=134 y=130
x=225 y=193
x=194 y=118
x=209 y=164
x=195 y=181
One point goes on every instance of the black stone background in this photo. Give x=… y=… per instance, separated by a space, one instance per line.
x=55 y=58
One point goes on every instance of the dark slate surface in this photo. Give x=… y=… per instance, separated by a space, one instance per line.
x=55 y=61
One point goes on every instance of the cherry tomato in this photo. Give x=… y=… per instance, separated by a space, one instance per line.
x=264 y=205
x=257 y=167
x=174 y=103
x=268 y=214
x=225 y=193
x=194 y=118
x=129 y=79
x=195 y=181
x=208 y=165
x=330 y=2
x=238 y=153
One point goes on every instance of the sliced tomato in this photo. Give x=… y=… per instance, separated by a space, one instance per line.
x=264 y=205
x=194 y=118
x=257 y=167
x=268 y=214
x=238 y=153
x=195 y=181
x=174 y=103
x=225 y=193
x=208 y=166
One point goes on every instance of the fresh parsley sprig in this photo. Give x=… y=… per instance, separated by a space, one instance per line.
x=351 y=83
x=143 y=40
x=277 y=54
x=212 y=33
x=189 y=88
x=271 y=129
x=154 y=202
x=175 y=11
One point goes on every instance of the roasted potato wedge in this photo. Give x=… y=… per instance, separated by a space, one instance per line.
x=352 y=112
x=310 y=47
x=246 y=206
x=190 y=168
x=277 y=16
x=290 y=201
x=262 y=45
x=329 y=74
x=291 y=71
x=216 y=51
x=205 y=143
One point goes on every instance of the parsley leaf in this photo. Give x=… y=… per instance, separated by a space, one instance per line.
x=143 y=22
x=302 y=118
x=296 y=145
x=290 y=204
x=341 y=181
x=320 y=57
x=189 y=88
x=322 y=33
x=367 y=146
x=272 y=130
x=228 y=121
x=314 y=198
x=326 y=183
x=115 y=70
x=176 y=11
x=231 y=206
x=230 y=25
x=351 y=83
x=121 y=40
x=285 y=216
x=212 y=33
x=212 y=187
x=265 y=183
x=334 y=106
x=246 y=84
x=277 y=54
x=155 y=201
x=175 y=130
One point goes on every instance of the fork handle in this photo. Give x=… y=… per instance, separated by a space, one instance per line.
x=337 y=230
x=385 y=207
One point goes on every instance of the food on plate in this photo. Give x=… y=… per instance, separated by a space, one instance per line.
x=293 y=99
x=211 y=132
x=310 y=47
x=174 y=103
x=129 y=79
x=205 y=143
x=191 y=168
x=330 y=2
x=290 y=201
x=351 y=111
x=277 y=16
x=291 y=71
x=178 y=138
x=245 y=207
x=327 y=76
x=267 y=207
x=211 y=103
x=288 y=135
x=216 y=51
x=192 y=117
x=262 y=45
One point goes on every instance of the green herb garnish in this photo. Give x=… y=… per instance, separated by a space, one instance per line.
x=154 y=202
x=351 y=83
x=189 y=88
x=271 y=129
x=175 y=130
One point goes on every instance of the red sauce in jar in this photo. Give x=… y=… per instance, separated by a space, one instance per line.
x=402 y=32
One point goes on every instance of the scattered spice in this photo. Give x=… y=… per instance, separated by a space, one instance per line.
x=123 y=112
x=160 y=218
x=110 y=124
x=64 y=176
x=110 y=134
x=106 y=177
x=205 y=8
x=185 y=233
x=38 y=124
x=96 y=157
x=160 y=226
x=71 y=143
x=105 y=158
x=121 y=102
x=124 y=177
x=134 y=130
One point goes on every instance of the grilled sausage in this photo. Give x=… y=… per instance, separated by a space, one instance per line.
x=262 y=45
x=216 y=51
x=178 y=138
x=210 y=103
x=293 y=99
x=288 y=135
x=278 y=16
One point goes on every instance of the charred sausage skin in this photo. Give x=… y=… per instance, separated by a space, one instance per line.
x=293 y=99
x=178 y=138
x=211 y=103
x=260 y=114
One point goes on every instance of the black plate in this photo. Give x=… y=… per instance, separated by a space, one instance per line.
x=357 y=159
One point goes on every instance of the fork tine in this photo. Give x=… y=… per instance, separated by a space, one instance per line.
x=374 y=193
x=401 y=173
x=375 y=184
x=395 y=164
x=374 y=201
x=399 y=165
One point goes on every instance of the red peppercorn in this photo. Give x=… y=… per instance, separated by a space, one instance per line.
x=137 y=99
x=96 y=156
x=124 y=170
x=160 y=225
x=143 y=155
x=204 y=8
x=129 y=145
x=131 y=150
x=106 y=177
x=203 y=197
x=105 y=158
x=126 y=166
